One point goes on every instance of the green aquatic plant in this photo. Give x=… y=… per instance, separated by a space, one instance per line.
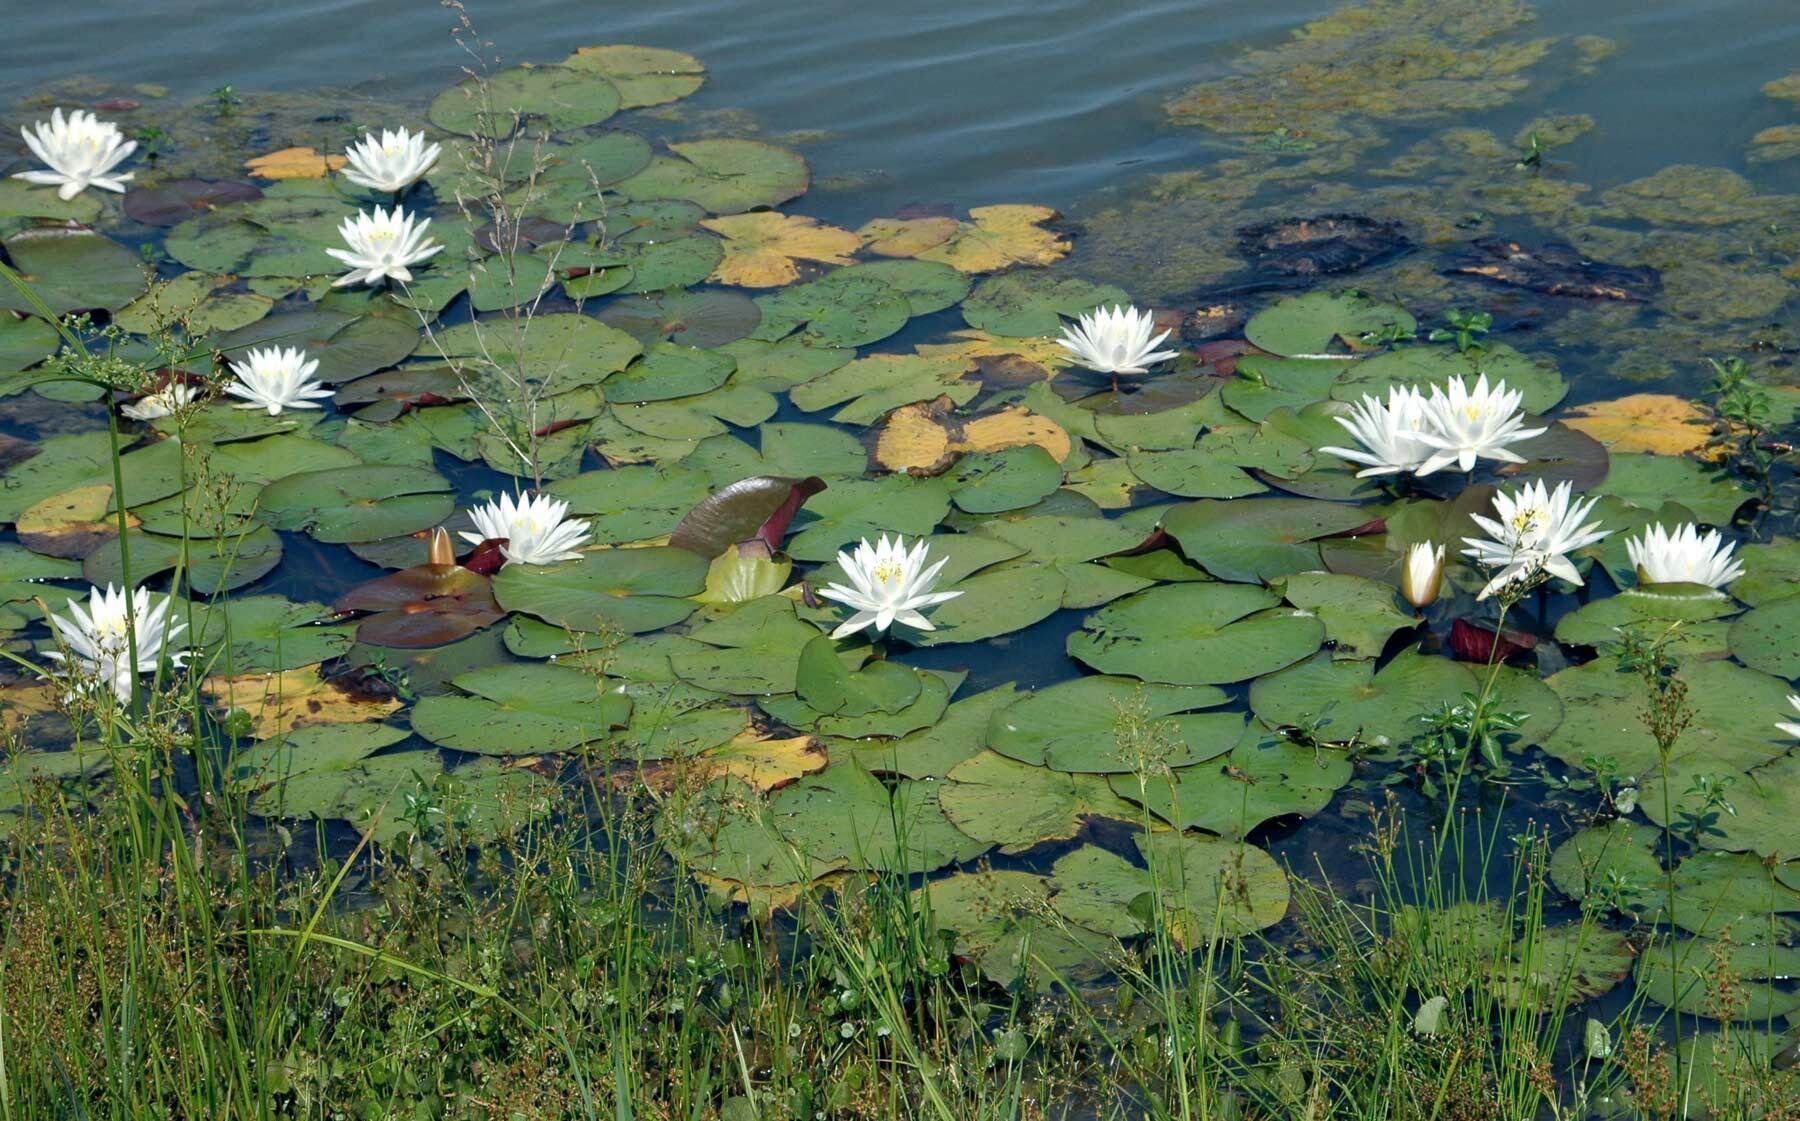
x=1466 y=329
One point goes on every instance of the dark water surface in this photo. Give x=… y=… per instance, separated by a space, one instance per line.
x=930 y=100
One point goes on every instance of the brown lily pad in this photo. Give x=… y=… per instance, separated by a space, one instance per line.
x=926 y=439
x=758 y=507
x=174 y=202
x=1555 y=269
x=426 y=605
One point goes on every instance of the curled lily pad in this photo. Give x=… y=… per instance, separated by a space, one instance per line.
x=631 y=590
x=760 y=506
x=426 y=605
x=1379 y=707
x=72 y=270
x=357 y=503
x=522 y=710
x=555 y=96
x=724 y=176
x=1196 y=634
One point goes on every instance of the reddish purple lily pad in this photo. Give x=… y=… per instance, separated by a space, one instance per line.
x=426 y=605
x=758 y=507
x=174 y=202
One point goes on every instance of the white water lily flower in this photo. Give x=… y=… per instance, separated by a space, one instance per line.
x=1388 y=432
x=393 y=161
x=1465 y=424
x=275 y=379
x=1116 y=341
x=98 y=639
x=1685 y=556
x=535 y=529
x=382 y=244
x=1791 y=729
x=889 y=584
x=1535 y=531
x=175 y=395
x=81 y=151
x=1423 y=574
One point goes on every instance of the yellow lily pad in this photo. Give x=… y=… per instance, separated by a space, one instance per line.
x=907 y=237
x=925 y=439
x=295 y=698
x=294 y=163
x=762 y=248
x=763 y=763
x=999 y=238
x=1644 y=422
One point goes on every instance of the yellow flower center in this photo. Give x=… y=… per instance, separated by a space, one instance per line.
x=888 y=572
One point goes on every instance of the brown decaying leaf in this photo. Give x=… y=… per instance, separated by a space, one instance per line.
x=281 y=702
x=1644 y=422
x=760 y=506
x=761 y=248
x=71 y=524
x=925 y=439
x=1473 y=643
x=294 y=163
x=426 y=605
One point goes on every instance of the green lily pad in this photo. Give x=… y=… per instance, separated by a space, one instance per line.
x=346 y=346
x=25 y=341
x=631 y=590
x=1761 y=794
x=631 y=503
x=72 y=270
x=1421 y=367
x=1012 y=479
x=854 y=509
x=997 y=919
x=1650 y=480
x=1358 y=613
x=1005 y=802
x=775 y=367
x=1034 y=302
x=1618 y=860
x=311 y=747
x=214 y=564
x=845 y=816
x=695 y=319
x=1310 y=324
x=1381 y=708
x=1651 y=612
x=552 y=97
x=1208 y=889
x=192 y=302
x=357 y=503
x=1196 y=634
x=1101 y=725
x=642 y=267
x=1771 y=571
x=561 y=352
x=880 y=383
x=668 y=370
x=839 y=309
x=1260 y=540
x=1264 y=777
x=993 y=604
x=266 y=633
x=1688 y=981
x=1733 y=728
x=1266 y=382
x=1567 y=962
x=752 y=650
x=62 y=462
x=929 y=286
x=1768 y=637
x=935 y=751
x=643 y=75
x=19 y=199
x=724 y=176
x=522 y=710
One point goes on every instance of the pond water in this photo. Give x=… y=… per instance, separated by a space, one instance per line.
x=1609 y=182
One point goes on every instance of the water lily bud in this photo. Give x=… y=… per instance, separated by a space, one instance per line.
x=1597 y=1039
x=439 y=550
x=1423 y=574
